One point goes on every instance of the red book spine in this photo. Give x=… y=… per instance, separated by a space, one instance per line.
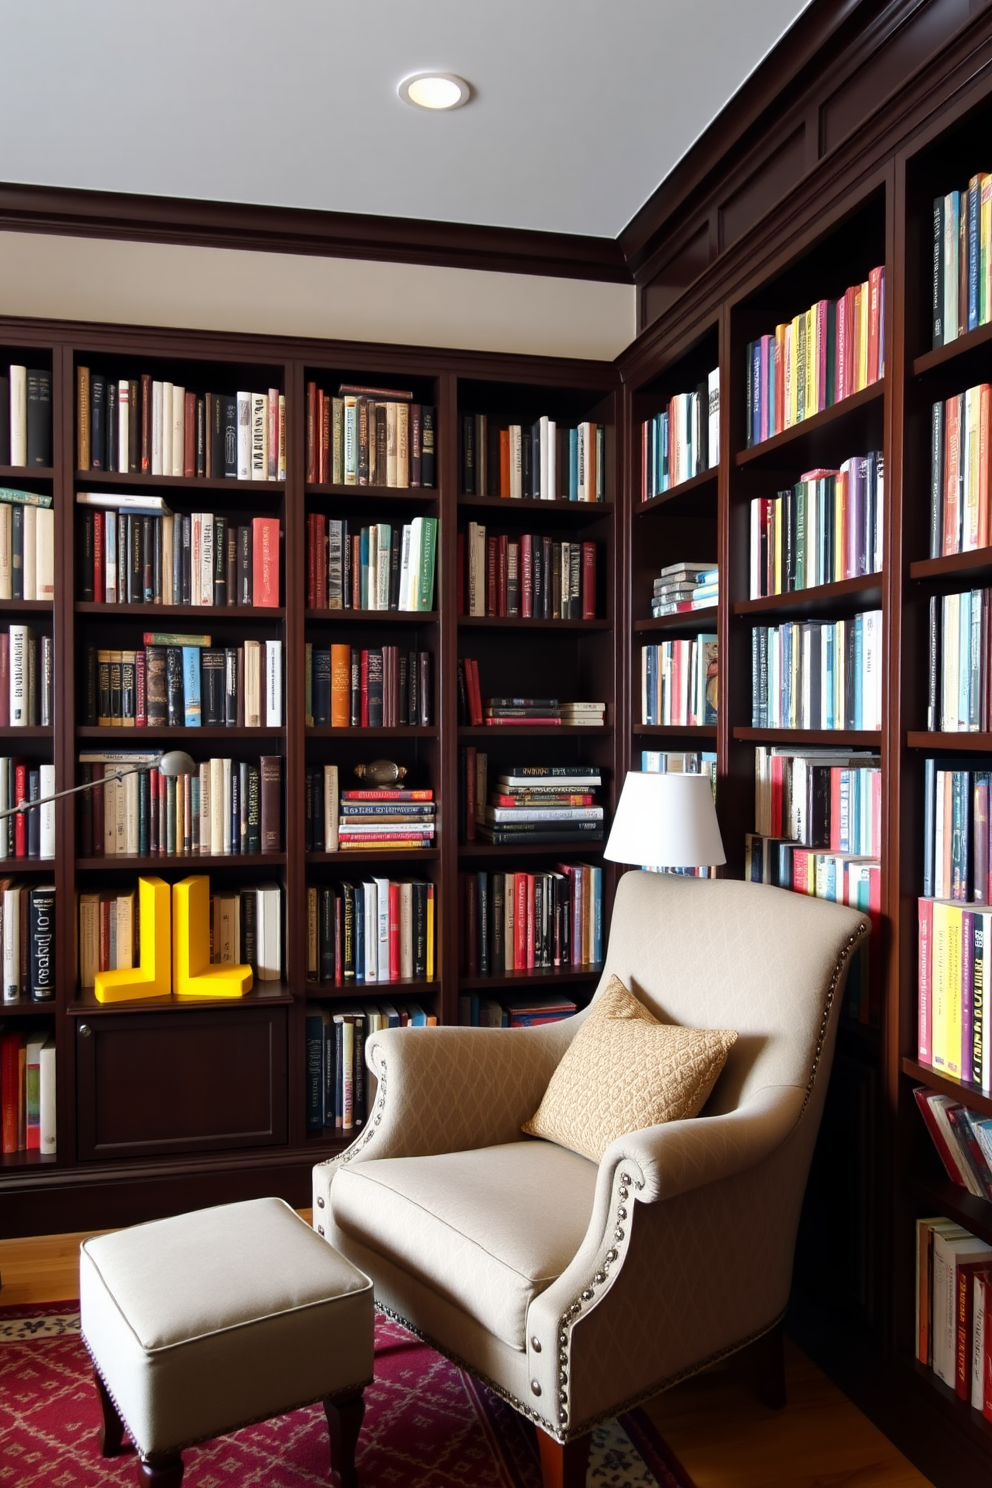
x=645 y=440
x=363 y=690
x=20 y=820
x=588 y=581
x=10 y=1053
x=338 y=940
x=189 y=434
x=324 y=464
x=474 y=691
x=320 y=560
x=146 y=423
x=311 y=433
x=140 y=708
x=394 y=932
x=265 y=562
x=526 y=576
x=468 y=763
x=778 y=767
x=99 y=587
x=835 y=807
x=520 y=922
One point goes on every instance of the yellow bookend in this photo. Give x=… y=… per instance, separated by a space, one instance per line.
x=193 y=975
x=153 y=978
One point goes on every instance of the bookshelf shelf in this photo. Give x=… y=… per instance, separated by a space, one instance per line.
x=27 y=1159
x=26 y=606
x=676 y=730
x=123 y=738
x=394 y=731
x=26 y=1008
x=690 y=620
x=371 y=617
x=945 y=1197
x=415 y=495
x=536 y=977
x=27 y=865
x=17 y=473
x=375 y=855
x=840 y=738
x=531 y=510
x=960 y=1090
x=515 y=622
x=35 y=731
x=703 y=484
x=271 y=994
x=348 y=991
x=804 y=442
x=193 y=862
x=566 y=849
x=976 y=562
x=215 y=613
x=135 y=481
x=864 y=591
x=942 y=357
x=534 y=731
x=963 y=743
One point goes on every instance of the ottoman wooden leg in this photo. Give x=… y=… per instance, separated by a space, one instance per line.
x=112 y=1436
x=344 y=1421
x=161 y=1469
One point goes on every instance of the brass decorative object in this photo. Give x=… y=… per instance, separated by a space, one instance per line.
x=381 y=773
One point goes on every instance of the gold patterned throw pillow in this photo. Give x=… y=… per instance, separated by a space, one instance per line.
x=624 y=1070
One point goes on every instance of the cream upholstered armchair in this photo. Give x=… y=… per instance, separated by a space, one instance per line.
x=576 y=1289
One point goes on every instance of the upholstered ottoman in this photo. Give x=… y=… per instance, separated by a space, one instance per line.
x=213 y=1320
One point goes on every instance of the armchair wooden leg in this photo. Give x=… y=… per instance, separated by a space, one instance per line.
x=112 y=1435
x=344 y=1421
x=767 y=1357
x=563 y=1465
x=161 y=1469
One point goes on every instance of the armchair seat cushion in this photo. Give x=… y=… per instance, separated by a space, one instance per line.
x=488 y=1229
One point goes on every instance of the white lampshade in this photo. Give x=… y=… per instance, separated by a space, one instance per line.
x=668 y=821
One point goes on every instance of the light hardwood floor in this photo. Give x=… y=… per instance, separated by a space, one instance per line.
x=714 y=1424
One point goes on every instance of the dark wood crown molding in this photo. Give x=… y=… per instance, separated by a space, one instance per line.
x=205 y=224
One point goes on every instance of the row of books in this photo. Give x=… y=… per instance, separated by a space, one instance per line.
x=826 y=353
x=963 y=1140
x=141 y=426
x=522 y=921
x=519 y=712
x=369 y=437
x=679 y=682
x=955 y=948
x=25 y=416
x=181 y=681
x=540 y=462
x=27 y=678
x=960 y=651
x=380 y=566
x=682 y=440
x=818 y=674
x=29 y=834
x=130 y=556
x=363 y=820
x=228 y=807
x=368 y=687
x=962 y=269
x=681 y=587
x=27 y=1091
x=954 y=1309
x=828 y=527
x=340 y=1089
x=27 y=545
x=245 y=929
x=371 y=930
x=819 y=798
x=959 y=472
x=530 y=803
x=680 y=762
x=27 y=936
x=957 y=840
x=531 y=576
x=475 y=1011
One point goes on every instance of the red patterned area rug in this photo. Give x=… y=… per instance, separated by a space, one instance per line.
x=427 y=1425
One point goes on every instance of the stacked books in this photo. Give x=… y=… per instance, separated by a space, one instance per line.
x=542 y=803
x=27 y=545
x=141 y=426
x=340 y=1090
x=30 y=834
x=381 y=566
x=959 y=472
x=370 y=930
x=181 y=681
x=228 y=807
x=368 y=687
x=245 y=929
x=134 y=550
x=828 y=527
x=826 y=353
x=818 y=674
x=525 y=920
x=368 y=436
x=485 y=1012
x=27 y=678
x=679 y=680
x=954 y=1312
x=685 y=586
x=507 y=712
x=530 y=576
x=27 y=1091
x=585 y=715
x=682 y=440
x=27 y=936
x=962 y=260
x=540 y=462
x=363 y=820
x=26 y=416
x=956 y=832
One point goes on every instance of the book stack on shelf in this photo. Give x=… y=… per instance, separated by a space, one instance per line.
x=962 y=260
x=818 y=674
x=27 y=928
x=365 y=820
x=683 y=440
x=959 y=472
x=679 y=682
x=27 y=1091
x=378 y=566
x=26 y=417
x=682 y=587
x=29 y=834
x=531 y=804
x=143 y=426
x=530 y=576
x=371 y=930
x=522 y=921
x=368 y=687
x=953 y=1334
x=828 y=527
x=369 y=436
x=530 y=1012
x=182 y=681
x=545 y=462
x=134 y=550
x=27 y=545
x=340 y=1089
x=823 y=355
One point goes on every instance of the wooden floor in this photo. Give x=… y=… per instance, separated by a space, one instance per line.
x=714 y=1425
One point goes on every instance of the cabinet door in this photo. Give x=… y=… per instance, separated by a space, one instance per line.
x=155 y=1083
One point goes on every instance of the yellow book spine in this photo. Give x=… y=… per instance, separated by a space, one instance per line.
x=952 y=1001
x=938 y=991
x=985 y=250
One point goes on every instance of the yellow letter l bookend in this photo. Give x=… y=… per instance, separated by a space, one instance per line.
x=193 y=975
x=154 y=976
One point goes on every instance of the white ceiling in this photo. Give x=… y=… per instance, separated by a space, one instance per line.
x=582 y=107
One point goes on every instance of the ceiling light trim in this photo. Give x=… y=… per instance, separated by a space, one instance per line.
x=449 y=90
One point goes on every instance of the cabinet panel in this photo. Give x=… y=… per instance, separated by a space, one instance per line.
x=155 y=1083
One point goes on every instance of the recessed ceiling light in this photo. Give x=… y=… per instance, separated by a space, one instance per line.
x=435 y=90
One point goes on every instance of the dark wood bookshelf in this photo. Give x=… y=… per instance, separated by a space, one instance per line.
x=393 y=731
x=677 y=730
x=533 y=730
x=137 y=481
x=123 y=738
x=16 y=473
x=32 y=731
x=515 y=622
x=27 y=606
x=841 y=738
x=215 y=613
x=26 y=865
x=372 y=617
x=968 y=1094
x=85 y=1004
x=703 y=483
x=961 y=742
x=821 y=600
x=25 y=1007
x=943 y=356
x=400 y=986
x=801 y=443
x=565 y=849
x=534 y=977
x=371 y=854
x=530 y=509
x=975 y=562
x=413 y=494
x=693 y=620
x=190 y=862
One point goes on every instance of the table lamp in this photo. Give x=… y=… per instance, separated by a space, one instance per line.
x=175 y=762
x=668 y=821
